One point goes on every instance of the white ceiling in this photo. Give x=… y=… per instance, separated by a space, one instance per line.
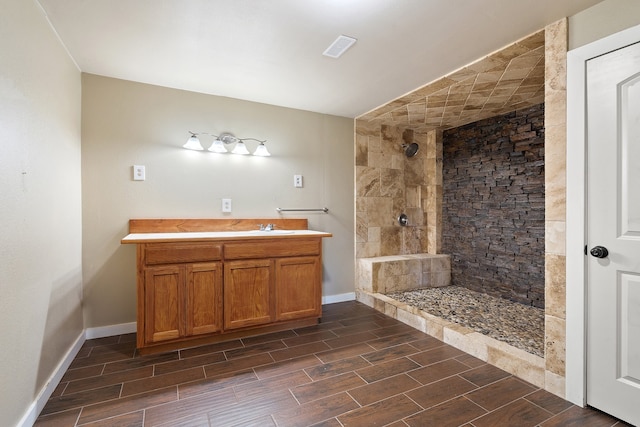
x=270 y=51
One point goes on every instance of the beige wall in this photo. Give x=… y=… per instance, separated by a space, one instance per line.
x=40 y=206
x=126 y=123
x=601 y=20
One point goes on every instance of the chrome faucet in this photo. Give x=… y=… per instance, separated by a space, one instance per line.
x=269 y=227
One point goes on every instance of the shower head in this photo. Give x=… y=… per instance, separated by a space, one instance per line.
x=411 y=150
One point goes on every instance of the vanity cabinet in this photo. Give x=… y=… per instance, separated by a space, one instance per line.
x=180 y=295
x=198 y=287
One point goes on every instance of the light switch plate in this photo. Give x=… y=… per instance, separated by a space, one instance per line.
x=226 y=205
x=138 y=173
x=297 y=181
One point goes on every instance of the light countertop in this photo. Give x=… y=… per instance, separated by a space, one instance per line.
x=219 y=235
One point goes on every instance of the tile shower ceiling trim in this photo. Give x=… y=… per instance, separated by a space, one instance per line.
x=504 y=81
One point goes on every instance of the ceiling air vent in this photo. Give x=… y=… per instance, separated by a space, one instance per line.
x=339 y=46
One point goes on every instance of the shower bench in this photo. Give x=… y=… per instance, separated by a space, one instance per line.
x=395 y=273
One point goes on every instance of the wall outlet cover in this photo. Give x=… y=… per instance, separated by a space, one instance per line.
x=139 y=173
x=297 y=181
x=226 y=205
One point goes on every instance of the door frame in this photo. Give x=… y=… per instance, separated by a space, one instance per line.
x=576 y=238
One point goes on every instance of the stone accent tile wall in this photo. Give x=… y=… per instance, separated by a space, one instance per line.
x=494 y=205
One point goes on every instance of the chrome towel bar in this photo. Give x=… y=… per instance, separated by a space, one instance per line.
x=325 y=210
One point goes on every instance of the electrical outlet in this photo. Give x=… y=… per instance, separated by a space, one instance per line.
x=138 y=173
x=297 y=181
x=226 y=205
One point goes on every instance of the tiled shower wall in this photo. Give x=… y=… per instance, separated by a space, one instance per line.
x=493 y=205
x=388 y=183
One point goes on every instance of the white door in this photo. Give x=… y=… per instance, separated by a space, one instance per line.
x=613 y=200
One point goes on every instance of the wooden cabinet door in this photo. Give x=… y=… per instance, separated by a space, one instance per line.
x=164 y=303
x=204 y=298
x=298 y=287
x=248 y=293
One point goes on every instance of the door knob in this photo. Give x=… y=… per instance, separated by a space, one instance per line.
x=599 y=252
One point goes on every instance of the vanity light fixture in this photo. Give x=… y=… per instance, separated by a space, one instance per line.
x=218 y=145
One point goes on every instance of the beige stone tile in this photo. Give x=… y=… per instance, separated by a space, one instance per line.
x=391 y=310
x=555 y=237
x=379 y=211
x=427 y=279
x=435 y=325
x=362 y=150
x=361 y=228
x=376 y=281
x=555 y=338
x=397 y=161
x=367 y=181
x=375 y=142
x=555 y=54
x=414 y=266
x=364 y=275
x=412 y=320
x=367 y=249
x=441 y=263
x=555 y=107
x=393 y=284
x=392 y=268
x=380 y=161
x=466 y=340
x=555 y=173
x=373 y=234
x=555 y=285
x=379 y=305
x=554 y=383
x=517 y=362
x=391 y=183
x=413 y=195
x=365 y=298
x=390 y=240
x=434 y=241
x=398 y=206
x=556 y=203
x=427 y=264
x=440 y=279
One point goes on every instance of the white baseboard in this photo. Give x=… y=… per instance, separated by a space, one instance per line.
x=111 y=330
x=32 y=413
x=330 y=299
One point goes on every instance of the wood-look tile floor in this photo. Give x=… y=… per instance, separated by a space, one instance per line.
x=356 y=368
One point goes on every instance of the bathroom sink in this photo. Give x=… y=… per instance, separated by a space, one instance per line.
x=274 y=232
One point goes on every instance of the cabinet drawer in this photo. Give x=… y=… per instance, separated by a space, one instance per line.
x=174 y=253
x=272 y=249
